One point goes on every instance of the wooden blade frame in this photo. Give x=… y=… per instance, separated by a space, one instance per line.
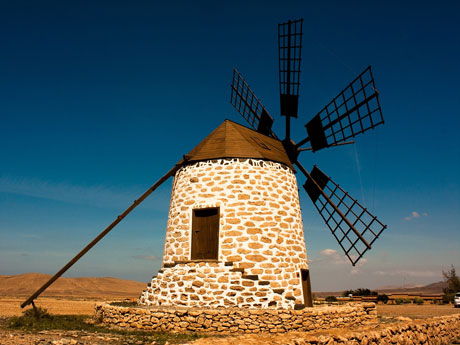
x=353 y=111
x=248 y=105
x=289 y=52
x=352 y=225
x=77 y=257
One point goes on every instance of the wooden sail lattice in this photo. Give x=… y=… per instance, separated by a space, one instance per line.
x=355 y=110
x=352 y=225
x=248 y=105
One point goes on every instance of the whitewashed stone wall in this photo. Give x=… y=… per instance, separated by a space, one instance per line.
x=261 y=239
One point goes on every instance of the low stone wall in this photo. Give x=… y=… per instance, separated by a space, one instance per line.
x=437 y=330
x=235 y=320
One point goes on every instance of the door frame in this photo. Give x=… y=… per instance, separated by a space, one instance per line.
x=306 y=287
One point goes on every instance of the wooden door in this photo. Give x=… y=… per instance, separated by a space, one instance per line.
x=306 y=287
x=205 y=234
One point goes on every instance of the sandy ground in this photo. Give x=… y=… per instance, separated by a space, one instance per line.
x=11 y=306
x=416 y=311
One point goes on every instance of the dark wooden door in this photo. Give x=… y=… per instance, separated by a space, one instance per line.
x=205 y=234
x=306 y=287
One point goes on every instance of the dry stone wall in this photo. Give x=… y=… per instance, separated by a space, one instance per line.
x=438 y=330
x=236 y=320
x=261 y=239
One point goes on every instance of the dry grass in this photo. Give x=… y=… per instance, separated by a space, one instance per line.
x=11 y=306
x=416 y=311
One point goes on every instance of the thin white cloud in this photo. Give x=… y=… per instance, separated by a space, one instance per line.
x=99 y=196
x=415 y=215
x=331 y=256
x=357 y=268
x=328 y=252
x=408 y=273
x=147 y=257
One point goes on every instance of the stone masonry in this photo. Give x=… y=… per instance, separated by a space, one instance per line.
x=261 y=239
x=236 y=320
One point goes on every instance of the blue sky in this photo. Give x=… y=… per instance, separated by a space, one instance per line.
x=99 y=99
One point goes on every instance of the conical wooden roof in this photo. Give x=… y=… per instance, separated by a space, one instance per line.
x=231 y=140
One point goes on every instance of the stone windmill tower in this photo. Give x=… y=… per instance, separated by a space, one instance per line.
x=234 y=234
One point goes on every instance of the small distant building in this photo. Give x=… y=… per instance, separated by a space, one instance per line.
x=234 y=235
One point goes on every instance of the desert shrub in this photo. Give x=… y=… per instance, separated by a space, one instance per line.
x=453 y=285
x=448 y=298
x=364 y=292
x=402 y=301
x=38 y=313
x=40 y=319
x=330 y=299
x=359 y=292
x=347 y=293
x=418 y=301
x=383 y=298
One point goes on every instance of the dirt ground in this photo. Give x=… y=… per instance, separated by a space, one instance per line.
x=10 y=306
x=416 y=311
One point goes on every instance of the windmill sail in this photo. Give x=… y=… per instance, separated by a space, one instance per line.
x=289 y=50
x=353 y=111
x=352 y=225
x=248 y=105
x=99 y=237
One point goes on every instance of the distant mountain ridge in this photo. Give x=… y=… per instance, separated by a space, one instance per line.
x=26 y=284
x=430 y=289
x=433 y=288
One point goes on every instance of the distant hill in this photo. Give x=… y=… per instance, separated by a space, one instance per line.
x=431 y=289
x=434 y=288
x=27 y=284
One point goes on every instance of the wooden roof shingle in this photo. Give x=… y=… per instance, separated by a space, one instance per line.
x=231 y=140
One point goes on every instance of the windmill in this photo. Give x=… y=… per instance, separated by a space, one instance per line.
x=234 y=234
x=355 y=110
